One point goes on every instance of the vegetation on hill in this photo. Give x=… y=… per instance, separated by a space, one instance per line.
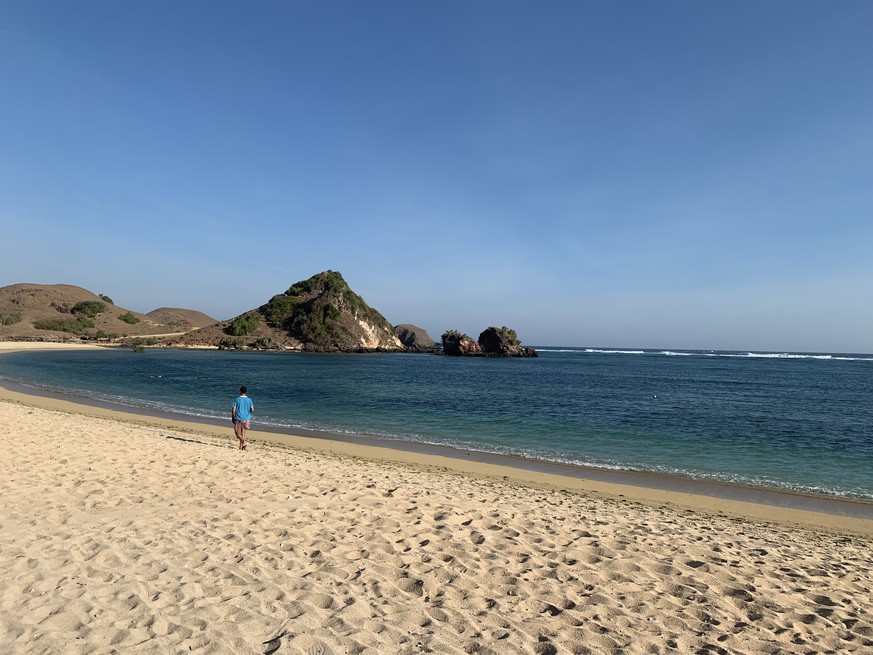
x=89 y=308
x=245 y=324
x=279 y=309
x=509 y=336
x=320 y=314
x=320 y=301
x=325 y=314
x=75 y=326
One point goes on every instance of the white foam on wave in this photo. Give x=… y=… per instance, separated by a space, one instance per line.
x=712 y=353
x=756 y=355
x=615 y=352
x=841 y=358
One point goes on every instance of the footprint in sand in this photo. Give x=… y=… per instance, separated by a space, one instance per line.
x=318 y=649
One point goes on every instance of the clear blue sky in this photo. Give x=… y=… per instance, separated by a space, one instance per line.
x=641 y=174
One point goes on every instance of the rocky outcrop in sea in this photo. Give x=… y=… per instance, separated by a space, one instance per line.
x=493 y=342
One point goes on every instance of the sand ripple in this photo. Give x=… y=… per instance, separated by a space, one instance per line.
x=117 y=537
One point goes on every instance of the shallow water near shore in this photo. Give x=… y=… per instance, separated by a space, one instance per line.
x=799 y=422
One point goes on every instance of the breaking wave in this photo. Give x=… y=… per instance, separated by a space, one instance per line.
x=717 y=353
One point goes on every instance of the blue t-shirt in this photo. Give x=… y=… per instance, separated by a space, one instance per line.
x=244 y=407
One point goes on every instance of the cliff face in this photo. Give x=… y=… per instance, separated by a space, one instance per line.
x=321 y=314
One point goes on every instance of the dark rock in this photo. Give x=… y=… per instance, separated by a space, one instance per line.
x=503 y=342
x=455 y=343
x=414 y=337
x=493 y=342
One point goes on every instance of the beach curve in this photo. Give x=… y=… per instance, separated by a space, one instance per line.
x=146 y=534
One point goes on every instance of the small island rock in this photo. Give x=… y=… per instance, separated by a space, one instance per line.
x=414 y=337
x=503 y=342
x=455 y=343
x=493 y=342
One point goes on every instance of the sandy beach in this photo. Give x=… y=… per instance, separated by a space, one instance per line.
x=129 y=534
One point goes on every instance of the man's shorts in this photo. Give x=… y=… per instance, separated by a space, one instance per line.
x=240 y=427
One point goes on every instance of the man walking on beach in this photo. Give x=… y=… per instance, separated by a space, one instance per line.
x=241 y=415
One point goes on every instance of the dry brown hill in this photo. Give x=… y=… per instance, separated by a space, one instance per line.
x=64 y=311
x=181 y=319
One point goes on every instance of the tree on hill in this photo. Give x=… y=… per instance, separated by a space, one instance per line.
x=88 y=308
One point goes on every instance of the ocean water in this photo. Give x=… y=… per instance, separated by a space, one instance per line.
x=801 y=422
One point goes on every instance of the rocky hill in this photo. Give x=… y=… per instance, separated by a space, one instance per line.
x=63 y=311
x=321 y=314
x=414 y=338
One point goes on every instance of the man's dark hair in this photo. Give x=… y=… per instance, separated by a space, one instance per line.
x=242 y=389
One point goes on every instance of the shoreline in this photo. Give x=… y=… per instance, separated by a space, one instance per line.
x=706 y=496
x=644 y=481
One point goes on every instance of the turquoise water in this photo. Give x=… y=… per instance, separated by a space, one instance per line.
x=791 y=421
